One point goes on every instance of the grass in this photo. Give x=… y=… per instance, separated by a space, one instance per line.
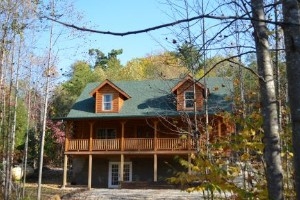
x=51 y=186
x=48 y=192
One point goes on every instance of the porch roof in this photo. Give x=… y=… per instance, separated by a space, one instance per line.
x=151 y=98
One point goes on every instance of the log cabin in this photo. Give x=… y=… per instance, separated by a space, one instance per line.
x=127 y=133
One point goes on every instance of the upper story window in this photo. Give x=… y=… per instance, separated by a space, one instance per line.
x=188 y=99
x=106 y=133
x=107 y=102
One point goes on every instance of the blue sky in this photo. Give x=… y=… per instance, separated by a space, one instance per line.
x=121 y=16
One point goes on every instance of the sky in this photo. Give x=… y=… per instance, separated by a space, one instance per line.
x=118 y=16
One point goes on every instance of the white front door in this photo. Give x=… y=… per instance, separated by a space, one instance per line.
x=114 y=173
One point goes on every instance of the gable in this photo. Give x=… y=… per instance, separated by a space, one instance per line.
x=115 y=101
x=196 y=90
x=112 y=85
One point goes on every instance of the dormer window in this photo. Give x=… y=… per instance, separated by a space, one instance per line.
x=188 y=99
x=107 y=102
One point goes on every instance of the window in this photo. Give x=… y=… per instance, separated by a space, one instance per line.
x=107 y=102
x=145 y=132
x=189 y=99
x=106 y=133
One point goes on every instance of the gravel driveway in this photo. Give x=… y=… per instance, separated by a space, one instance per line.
x=97 y=194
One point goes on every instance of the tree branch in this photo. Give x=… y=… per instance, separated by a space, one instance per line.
x=229 y=59
x=160 y=26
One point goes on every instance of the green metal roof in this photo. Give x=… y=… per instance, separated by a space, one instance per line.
x=150 y=98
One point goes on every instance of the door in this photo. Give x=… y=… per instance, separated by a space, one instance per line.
x=114 y=173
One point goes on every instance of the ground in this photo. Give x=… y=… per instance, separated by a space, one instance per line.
x=51 y=190
x=51 y=185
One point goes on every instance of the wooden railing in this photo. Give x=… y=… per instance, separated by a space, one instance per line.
x=130 y=144
x=78 y=144
x=106 y=144
x=138 y=144
x=171 y=144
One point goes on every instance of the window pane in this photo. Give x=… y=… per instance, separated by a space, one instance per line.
x=107 y=102
x=107 y=106
x=107 y=98
x=111 y=133
x=126 y=174
x=106 y=133
x=189 y=95
x=189 y=103
x=189 y=99
x=101 y=134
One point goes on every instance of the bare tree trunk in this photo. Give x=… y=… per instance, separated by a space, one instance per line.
x=27 y=134
x=10 y=128
x=39 y=192
x=268 y=103
x=2 y=101
x=291 y=15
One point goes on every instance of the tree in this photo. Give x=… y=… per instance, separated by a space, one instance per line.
x=271 y=140
x=80 y=74
x=64 y=95
x=291 y=28
x=105 y=61
x=165 y=65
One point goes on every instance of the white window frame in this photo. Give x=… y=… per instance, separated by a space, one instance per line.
x=104 y=102
x=188 y=99
x=119 y=169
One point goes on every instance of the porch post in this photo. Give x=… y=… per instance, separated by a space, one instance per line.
x=65 y=171
x=190 y=161
x=155 y=155
x=122 y=135
x=90 y=171
x=65 y=156
x=219 y=128
x=90 y=156
x=155 y=168
x=121 y=178
x=155 y=135
x=91 y=136
x=67 y=136
x=189 y=141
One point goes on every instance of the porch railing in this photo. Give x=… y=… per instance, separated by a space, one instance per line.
x=138 y=144
x=171 y=144
x=130 y=144
x=106 y=144
x=78 y=144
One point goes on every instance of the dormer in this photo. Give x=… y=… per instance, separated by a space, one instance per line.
x=184 y=92
x=108 y=97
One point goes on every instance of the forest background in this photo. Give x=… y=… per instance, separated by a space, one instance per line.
x=254 y=43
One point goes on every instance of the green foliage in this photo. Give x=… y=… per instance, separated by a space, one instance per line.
x=66 y=94
x=80 y=75
x=222 y=67
x=52 y=150
x=190 y=56
x=33 y=145
x=21 y=123
x=105 y=61
x=212 y=177
x=61 y=102
x=165 y=66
